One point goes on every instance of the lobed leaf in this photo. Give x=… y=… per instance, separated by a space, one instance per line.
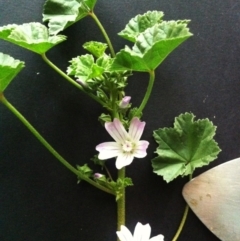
x=84 y=68
x=152 y=47
x=140 y=23
x=85 y=170
x=183 y=148
x=105 y=62
x=61 y=14
x=32 y=36
x=9 y=68
x=95 y=48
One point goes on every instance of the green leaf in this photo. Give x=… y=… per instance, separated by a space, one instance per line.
x=95 y=48
x=120 y=184
x=32 y=36
x=103 y=118
x=134 y=113
x=84 y=68
x=140 y=23
x=105 y=62
x=152 y=47
x=61 y=14
x=97 y=161
x=85 y=170
x=9 y=68
x=186 y=146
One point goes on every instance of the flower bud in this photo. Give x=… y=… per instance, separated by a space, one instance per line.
x=82 y=83
x=124 y=102
x=97 y=175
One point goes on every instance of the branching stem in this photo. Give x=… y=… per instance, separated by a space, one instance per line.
x=49 y=147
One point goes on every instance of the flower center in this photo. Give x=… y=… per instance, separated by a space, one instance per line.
x=127 y=146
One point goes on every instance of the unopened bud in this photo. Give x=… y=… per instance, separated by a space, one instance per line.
x=82 y=83
x=97 y=175
x=124 y=102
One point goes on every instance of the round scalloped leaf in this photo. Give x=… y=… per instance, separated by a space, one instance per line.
x=32 y=36
x=183 y=148
x=9 y=68
x=140 y=23
x=61 y=14
x=152 y=47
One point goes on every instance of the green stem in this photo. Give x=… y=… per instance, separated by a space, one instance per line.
x=69 y=79
x=49 y=147
x=92 y=14
x=148 y=92
x=121 y=202
x=180 y=228
x=114 y=106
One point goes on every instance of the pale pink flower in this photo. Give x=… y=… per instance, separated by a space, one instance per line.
x=127 y=145
x=141 y=233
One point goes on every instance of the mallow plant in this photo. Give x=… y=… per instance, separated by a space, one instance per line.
x=102 y=74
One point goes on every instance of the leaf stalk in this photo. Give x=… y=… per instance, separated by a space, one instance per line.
x=148 y=92
x=183 y=221
x=92 y=14
x=180 y=228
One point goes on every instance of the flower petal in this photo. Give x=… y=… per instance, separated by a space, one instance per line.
x=160 y=237
x=142 y=232
x=124 y=234
x=123 y=160
x=116 y=130
x=140 y=150
x=108 y=150
x=136 y=129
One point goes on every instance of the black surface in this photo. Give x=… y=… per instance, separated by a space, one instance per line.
x=40 y=200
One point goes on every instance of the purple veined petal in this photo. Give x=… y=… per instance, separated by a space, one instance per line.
x=108 y=150
x=141 y=148
x=124 y=234
x=123 y=160
x=142 y=145
x=120 y=128
x=136 y=129
x=142 y=232
x=108 y=146
x=160 y=237
x=116 y=130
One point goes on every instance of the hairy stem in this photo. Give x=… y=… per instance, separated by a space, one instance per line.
x=121 y=202
x=148 y=92
x=49 y=147
x=69 y=79
x=92 y=14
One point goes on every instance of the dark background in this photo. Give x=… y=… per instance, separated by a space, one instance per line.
x=39 y=198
